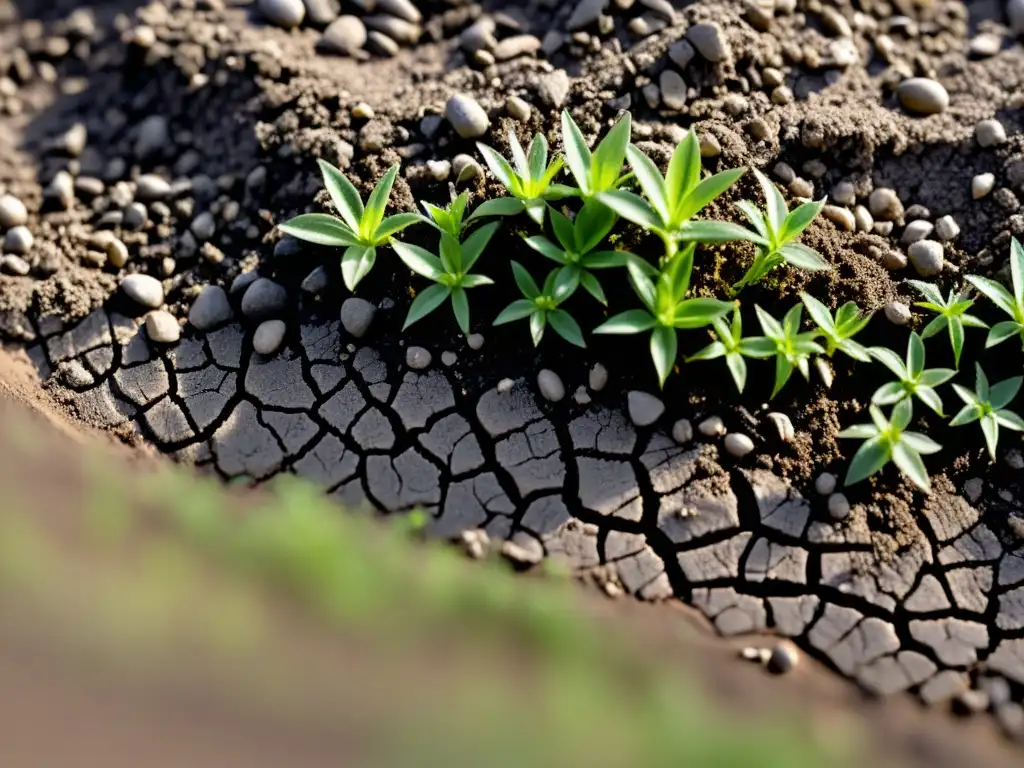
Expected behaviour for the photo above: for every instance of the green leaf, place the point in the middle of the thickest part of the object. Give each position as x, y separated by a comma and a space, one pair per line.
1000, 332
536, 209
592, 225
712, 351
546, 248
663, 351
1010, 420
1000, 395
683, 170
426, 302
769, 325
996, 293
475, 244
527, 285
451, 254
869, 459
801, 218
538, 156
566, 281
860, 431
577, 154
980, 383
500, 206
475, 281
755, 218
522, 165
889, 394
854, 350
783, 370
1017, 270
321, 229
642, 284
738, 368
802, 257
715, 232
930, 397
934, 327
538, 321
630, 321
606, 165
632, 207
757, 346
966, 415
517, 310
378, 203
990, 429
697, 313
344, 196
395, 224
356, 264
593, 287
902, 414
956, 338
818, 313
460, 306
559, 191
566, 327
419, 260
929, 291
909, 463
966, 395
933, 377
920, 443
651, 181
704, 193
503, 172
915, 356
563, 231
774, 202
605, 259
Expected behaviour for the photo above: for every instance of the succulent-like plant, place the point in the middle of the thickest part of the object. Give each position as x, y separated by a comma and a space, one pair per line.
777, 231
576, 243
912, 378
952, 314
1011, 303
987, 404
449, 219
839, 331
791, 347
663, 293
360, 231
543, 306
674, 199
730, 344
889, 440
601, 170
530, 182
450, 273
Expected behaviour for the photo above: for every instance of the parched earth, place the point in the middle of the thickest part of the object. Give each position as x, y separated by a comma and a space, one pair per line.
211, 119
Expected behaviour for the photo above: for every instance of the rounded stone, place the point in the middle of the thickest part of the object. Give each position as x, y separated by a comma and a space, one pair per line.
467, 117
135, 216
784, 658
117, 252
598, 378
357, 316
783, 425
982, 185
673, 89
346, 35
449, 358
1015, 13
885, 204
153, 136
210, 309
465, 168
518, 109
916, 230
989, 133
946, 229
321, 12
825, 483
897, 313
644, 408
926, 256
712, 426
863, 218
842, 217
475, 341
316, 281
18, 240
418, 358
923, 95
204, 226
269, 336
737, 444
838, 506
143, 289
709, 40
283, 13
162, 327
149, 186
264, 299
15, 265
12, 212
550, 385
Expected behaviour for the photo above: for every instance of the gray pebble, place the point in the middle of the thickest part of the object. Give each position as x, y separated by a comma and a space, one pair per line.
15, 265
467, 117
825, 483
973, 488
926, 257
785, 656
598, 378
18, 240
885, 204
430, 125
844, 193
681, 53
581, 396
153, 137
838, 507
923, 95
243, 281
73, 374
403, 9
709, 40
479, 35
997, 688
135, 216
264, 299
204, 226
162, 327
316, 281
149, 186
475, 341
989, 133
585, 13
946, 228
397, 29
357, 315
897, 313
89, 186
553, 88
737, 444
269, 336
210, 309
644, 408
783, 425
673, 89
321, 12
283, 13
712, 426
916, 230
418, 358
550, 385
381, 44
682, 431
449, 358
12, 212
144, 289
982, 185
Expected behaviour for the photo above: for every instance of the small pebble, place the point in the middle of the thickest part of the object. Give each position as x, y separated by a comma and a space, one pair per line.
825, 483
61, 189
151, 187
550, 385
12, 212
1010, 717
316, 281
18, 240
117, 252
449, 358
644, 408
737, 444
863, 218
283, 13
916, 230
844, 193
467, 117
465, 168
15, 265
357, 315
581, 396
345, 36
363, 111
982, 185
418, 358
598, 378
1015, 14
403, 9
153, 137
971, 702
923, 95
475, 341
989, 133
709, 41
885, 204
946, 229
842, 217
518, 109
801, 187
897, 313
204, 226
838, 506
162, 327
269, 336
681, 53
264, 299
926, 257
505, 386
135, 217
785, 656
712, 426
523, 551
783, 426
143, 289
682, 431
673, 89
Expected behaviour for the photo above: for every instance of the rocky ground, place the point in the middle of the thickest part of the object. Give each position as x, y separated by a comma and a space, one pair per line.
147, 152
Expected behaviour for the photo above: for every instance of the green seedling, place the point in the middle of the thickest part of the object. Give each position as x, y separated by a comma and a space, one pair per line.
359, 230
988, 405
952, 314
529, 181
839, 331
576, 243
889, 440
450, 273
777, 231
601, 170
1011, 303
543, 306
731, 345
448, 219
791, 348
912, 378
667, 309
674, 199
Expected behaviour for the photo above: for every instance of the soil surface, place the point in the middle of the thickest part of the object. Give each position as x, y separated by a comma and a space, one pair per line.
213, 119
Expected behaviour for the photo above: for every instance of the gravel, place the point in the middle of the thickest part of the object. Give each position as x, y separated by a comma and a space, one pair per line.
316, 281
673, 89
946, 229
916, 230
841, 217
283, 13
264, 299
783, 425
418, 358
15, 265
682, 431
143, 289
204, 226
585, 13
357, 316
897, 313
989, 133
885, 204
737, 444
149, 187
926, 257
321, 12
982, 185
153, 136
12, 212
709, 41
210, 309
825, 483
467, 117
269, 336
838, 507
475, 341
403, 9
18, 240
681, 53
598, 378
135, 217
449, 358
550, 385
162, 327
518, 109
923, 95
644, 408
117, 252
712, 426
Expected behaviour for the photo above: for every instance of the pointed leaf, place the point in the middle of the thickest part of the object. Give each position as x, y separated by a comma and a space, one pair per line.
819, 313
577, 154
395, 224
956, 338
344, 196
632, 207
774, 201
697, 313
527, 285
704, 193
1000, 395
592, 225
859, 431
990, 429
915, 356
321, 229
522, 165
538, 156
930, 397
929, 291
419, 260
593, 287
356, 264
651, 181
683, 170
631, 321
801, 218
378, 203
500, 206
889, 394
933, 377
1017, 270
546, 248
996, 293
755, 218
538, 322
1010, 420
563, 231
517, 310
715, 232
783, 370
460, 306
566, 327
712, 351
934, 327
664, 346
966, 415
738, 368
642, 284
869, 459
426, 302
920, 443
769, 325
475, 244
909, 463
605, 259
1000, 332
606, 164
798, 255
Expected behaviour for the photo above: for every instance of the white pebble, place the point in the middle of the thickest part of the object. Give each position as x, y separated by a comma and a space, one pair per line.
927, 257
475, 341
18, 240
550, 385
505, 386
738, 444
916, 230
946, 229
644, 408
783, 425
418, 358
144, 289
989, 133
712, 426
897, 313
268, 337
162, 327
844, 193
598, 377
467, 117
682, 431
982, 184
12, 212
283, 13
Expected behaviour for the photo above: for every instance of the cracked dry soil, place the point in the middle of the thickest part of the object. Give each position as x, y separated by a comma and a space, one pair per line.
908, 594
